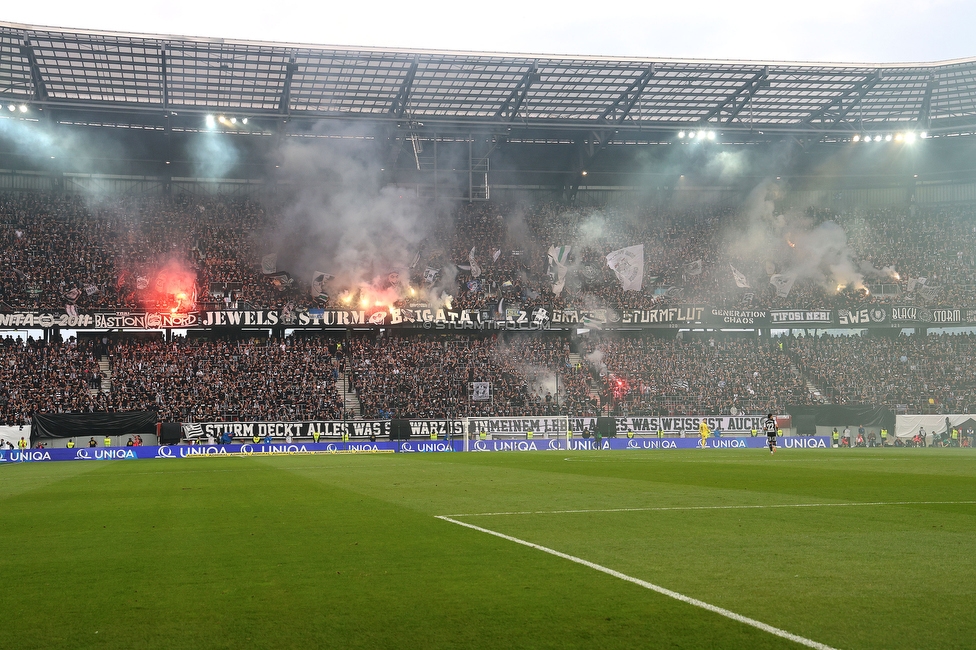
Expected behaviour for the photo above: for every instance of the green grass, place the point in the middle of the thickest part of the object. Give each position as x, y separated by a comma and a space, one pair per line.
345, 551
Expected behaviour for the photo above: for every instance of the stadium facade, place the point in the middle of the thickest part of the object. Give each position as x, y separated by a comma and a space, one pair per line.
191, 143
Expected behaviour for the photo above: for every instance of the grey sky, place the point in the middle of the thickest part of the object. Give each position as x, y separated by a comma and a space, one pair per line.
874, 31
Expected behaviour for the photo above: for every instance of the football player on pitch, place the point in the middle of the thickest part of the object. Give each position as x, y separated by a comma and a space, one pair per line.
703, 431
769, 428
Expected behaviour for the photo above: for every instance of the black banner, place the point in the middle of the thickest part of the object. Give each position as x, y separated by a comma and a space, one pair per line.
830, 415
72, 425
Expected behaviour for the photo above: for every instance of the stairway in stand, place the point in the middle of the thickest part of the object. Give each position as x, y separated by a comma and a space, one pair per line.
105, 368
350, 401
593, 393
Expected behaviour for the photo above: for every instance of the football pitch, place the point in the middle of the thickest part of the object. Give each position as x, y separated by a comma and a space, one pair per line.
864, 548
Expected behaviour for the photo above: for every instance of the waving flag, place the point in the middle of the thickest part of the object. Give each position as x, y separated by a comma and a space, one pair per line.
628, 264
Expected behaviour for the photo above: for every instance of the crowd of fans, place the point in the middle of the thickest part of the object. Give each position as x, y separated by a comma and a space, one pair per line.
200, 381
49, 378
62, 249
66, 252
911, 374
424, 376
420, 377
655, 376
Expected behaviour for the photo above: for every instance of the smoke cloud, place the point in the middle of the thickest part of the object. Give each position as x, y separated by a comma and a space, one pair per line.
342, 221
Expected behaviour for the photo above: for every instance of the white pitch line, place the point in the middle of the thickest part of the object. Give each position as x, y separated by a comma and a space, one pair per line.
653, 587
733, 507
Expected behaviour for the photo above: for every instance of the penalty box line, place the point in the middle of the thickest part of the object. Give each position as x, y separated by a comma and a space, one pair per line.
729, 507
653, 587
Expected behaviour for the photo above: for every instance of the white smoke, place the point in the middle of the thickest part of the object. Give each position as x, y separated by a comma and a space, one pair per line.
343, 221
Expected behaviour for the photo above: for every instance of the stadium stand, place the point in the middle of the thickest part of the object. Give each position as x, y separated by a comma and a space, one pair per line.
120, 253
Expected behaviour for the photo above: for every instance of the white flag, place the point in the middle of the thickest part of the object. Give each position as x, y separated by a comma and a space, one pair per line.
319, 278
783, 283
91, 289
269, 263
558, 257
693, 268
430, 274
740, 279
927, 293
480, 391
142, 282
475, 269
628, 264
494, 256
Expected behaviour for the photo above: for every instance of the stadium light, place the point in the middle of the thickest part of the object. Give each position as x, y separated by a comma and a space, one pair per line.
233, 120
244, 121
877, 138
856, 138
899, 137
888, 138
222, 119
11, 108
584, 172
711, 135
910, 137
210, 121
701, 135
681, 134
923, 134
691, 135
23, 108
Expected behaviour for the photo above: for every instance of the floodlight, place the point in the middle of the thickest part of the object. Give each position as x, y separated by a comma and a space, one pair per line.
233, 120
691, 134
583, 172
23, 108
244, 121
222, 119
899, 137
877, 138
888, 138
681, 134
711, 135
701, 135
210, 121
856, 138
910, 137
923, 134
11, 108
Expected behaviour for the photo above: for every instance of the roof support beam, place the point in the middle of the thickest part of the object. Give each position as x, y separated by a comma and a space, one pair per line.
164, 77
837, 115
399, 105
924, 119
509, 109
398, 109
284, 104
746, 91
37, 80
615, 113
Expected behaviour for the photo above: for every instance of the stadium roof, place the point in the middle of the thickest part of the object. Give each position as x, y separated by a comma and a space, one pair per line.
134, 76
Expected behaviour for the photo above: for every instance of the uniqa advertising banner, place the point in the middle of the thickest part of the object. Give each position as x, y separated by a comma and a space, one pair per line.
404, 446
